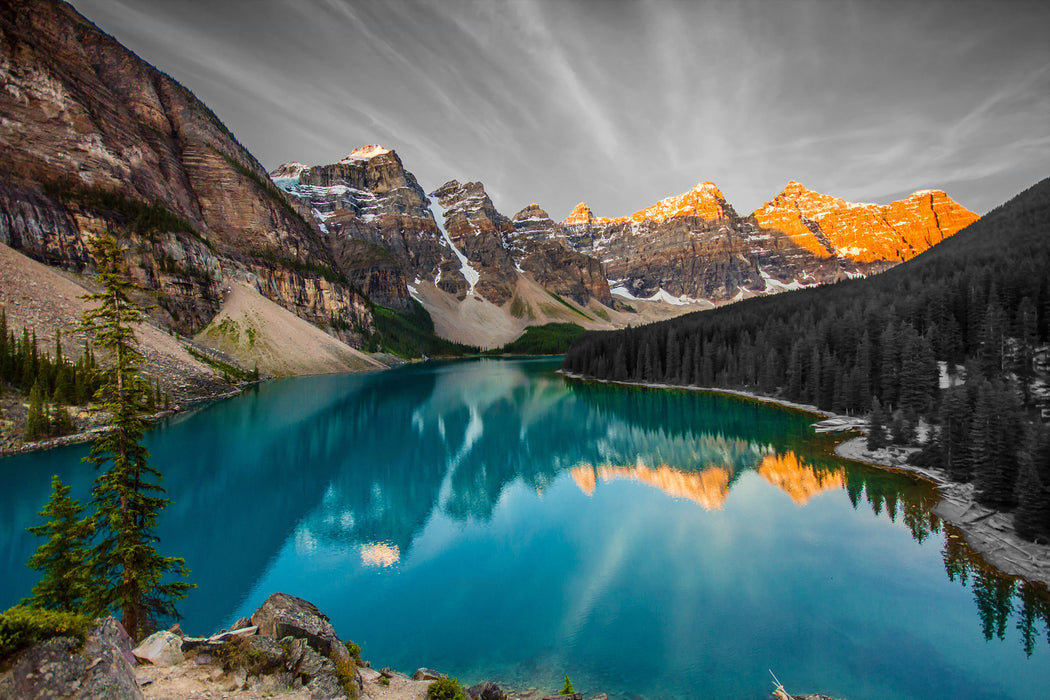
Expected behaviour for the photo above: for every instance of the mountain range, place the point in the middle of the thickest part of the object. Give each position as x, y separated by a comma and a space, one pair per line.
93, 139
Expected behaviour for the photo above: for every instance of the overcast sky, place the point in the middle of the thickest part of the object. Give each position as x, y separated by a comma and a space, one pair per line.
620, 104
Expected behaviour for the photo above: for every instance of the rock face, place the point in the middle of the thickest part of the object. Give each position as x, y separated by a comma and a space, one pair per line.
695, 246
542, 251
375, 217
381, 228
867, 233
93, 139
477, 230
57, 669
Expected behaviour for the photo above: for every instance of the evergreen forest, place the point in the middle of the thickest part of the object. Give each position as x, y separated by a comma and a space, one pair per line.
947, 350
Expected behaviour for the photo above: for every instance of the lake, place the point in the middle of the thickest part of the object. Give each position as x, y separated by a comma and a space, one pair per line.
496, 521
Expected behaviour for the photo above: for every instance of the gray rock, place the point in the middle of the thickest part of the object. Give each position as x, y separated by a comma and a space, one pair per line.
574, 696
486, 691
269, 655
56, 668
426, 674
109, 632
241, 624
160, 649
282, 615
226, 636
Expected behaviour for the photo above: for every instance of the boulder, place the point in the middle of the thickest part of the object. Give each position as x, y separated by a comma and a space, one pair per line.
283, 615
486, 691
160, 649
58, 668
426, 674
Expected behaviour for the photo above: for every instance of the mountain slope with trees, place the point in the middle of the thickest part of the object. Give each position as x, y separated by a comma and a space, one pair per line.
975, 308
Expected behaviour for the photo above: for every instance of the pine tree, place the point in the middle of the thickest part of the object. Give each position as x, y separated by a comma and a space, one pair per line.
956, 417
126, 496
37, 424
876, 426
1032, 517
63, 557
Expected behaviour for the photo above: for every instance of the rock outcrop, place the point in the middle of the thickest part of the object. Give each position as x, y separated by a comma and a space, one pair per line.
60, 668
283, 615
93, 139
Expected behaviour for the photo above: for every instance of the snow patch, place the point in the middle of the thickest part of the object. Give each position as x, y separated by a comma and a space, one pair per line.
775, 286
660, 295
469, 273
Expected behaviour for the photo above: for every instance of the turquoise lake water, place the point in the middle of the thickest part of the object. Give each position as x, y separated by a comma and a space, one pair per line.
495, 521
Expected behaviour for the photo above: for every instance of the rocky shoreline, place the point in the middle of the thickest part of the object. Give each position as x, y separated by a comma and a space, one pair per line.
989, 533
287, 648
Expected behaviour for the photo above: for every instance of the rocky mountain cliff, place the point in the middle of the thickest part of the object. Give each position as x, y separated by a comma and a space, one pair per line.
695, 247
382, 229
93, 139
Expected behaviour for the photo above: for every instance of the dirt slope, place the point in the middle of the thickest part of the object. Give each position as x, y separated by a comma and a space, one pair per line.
252, 329
46, 300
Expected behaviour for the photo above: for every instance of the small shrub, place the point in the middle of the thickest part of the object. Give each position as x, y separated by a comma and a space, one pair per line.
238, 653
568, 689
355, 651
22, 627
346, 674
446, 689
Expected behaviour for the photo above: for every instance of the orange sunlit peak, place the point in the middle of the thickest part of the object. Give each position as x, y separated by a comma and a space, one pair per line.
789, 473
380, 554
708, 488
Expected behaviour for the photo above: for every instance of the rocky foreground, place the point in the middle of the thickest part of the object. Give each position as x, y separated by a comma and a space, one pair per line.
287, 648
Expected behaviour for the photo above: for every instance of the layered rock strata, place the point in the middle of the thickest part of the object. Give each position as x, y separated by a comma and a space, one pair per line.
93, 139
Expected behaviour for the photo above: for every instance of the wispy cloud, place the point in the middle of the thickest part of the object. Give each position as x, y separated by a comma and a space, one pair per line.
621, 104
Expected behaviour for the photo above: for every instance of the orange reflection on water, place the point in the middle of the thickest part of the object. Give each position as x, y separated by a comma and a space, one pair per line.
789, 473
709, 488
380, 554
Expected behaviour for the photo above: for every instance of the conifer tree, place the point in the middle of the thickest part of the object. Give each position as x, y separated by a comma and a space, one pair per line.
63, 557
127, 494
37, 424
876, 426
1032, 517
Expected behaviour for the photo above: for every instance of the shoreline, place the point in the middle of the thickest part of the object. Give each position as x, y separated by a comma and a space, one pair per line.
89, 434
989, 533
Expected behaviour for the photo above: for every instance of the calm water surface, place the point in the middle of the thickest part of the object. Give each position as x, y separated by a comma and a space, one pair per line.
495, 521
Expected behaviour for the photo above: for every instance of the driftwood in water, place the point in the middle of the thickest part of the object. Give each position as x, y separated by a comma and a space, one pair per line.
780, 694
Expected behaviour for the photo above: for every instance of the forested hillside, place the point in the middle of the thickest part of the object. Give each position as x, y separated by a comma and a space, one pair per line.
975, 308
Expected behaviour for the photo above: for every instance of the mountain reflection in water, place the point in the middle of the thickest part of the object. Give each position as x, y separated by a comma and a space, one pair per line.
414, 491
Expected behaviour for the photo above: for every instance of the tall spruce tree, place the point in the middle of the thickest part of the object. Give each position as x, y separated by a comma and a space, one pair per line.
67, 584
127, 494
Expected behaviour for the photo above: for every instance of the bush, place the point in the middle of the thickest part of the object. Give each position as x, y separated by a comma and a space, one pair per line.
22, 627
568, 689
446, 689
346, 674
355, 651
